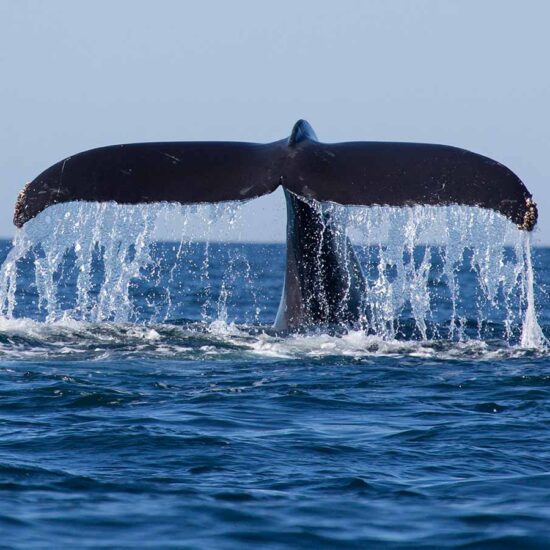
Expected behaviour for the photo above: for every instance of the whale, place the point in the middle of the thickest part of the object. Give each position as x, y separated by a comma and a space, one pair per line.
324, 284
323, 281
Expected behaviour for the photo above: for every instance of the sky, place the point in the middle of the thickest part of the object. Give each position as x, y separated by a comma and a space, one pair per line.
78, 75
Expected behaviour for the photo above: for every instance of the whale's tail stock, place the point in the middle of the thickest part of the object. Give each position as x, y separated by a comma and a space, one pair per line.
351, 173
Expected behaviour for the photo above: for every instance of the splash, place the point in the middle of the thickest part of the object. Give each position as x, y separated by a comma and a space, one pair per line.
434, 262
531, 335
433, 273
89, 258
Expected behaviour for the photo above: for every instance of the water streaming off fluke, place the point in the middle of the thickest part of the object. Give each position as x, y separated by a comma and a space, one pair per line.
433, 273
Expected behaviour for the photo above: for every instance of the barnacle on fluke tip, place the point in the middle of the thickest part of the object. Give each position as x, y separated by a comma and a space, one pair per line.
531, 215
18, 215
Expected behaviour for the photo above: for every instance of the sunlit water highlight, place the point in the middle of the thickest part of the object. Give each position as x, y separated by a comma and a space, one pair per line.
145, 400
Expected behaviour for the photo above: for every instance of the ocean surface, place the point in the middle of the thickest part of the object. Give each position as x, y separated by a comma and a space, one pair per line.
168, 414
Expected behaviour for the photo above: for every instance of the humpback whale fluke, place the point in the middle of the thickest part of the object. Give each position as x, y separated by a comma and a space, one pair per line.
353, 173
323, 280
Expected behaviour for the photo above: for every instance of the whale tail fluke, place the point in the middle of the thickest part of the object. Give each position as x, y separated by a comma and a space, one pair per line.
354, 173
323, 279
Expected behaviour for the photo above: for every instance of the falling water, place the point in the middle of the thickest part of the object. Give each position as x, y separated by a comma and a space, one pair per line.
89, 261
424, 253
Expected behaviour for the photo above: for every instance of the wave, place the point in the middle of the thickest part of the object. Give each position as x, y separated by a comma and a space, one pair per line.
26, 339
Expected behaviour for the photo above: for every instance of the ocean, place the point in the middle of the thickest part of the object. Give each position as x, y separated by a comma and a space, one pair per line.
145, 401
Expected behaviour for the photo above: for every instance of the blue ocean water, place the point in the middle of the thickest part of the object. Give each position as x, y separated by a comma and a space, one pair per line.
189, 423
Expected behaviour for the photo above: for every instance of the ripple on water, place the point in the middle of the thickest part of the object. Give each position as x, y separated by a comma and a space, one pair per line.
203, 433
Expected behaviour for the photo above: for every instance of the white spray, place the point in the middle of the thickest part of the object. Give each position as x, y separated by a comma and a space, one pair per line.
409, 255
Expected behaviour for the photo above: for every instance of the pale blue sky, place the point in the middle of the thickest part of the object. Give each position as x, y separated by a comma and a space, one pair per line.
76, 75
